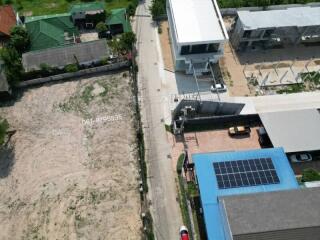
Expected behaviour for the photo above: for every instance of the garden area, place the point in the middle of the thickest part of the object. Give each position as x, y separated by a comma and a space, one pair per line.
45, 7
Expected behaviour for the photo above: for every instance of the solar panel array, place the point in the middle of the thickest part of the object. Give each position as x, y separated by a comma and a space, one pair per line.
245, 173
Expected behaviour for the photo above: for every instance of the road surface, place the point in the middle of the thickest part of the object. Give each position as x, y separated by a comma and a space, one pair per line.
162, 187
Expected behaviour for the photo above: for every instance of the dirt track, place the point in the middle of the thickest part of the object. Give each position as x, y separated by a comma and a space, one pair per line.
70, 170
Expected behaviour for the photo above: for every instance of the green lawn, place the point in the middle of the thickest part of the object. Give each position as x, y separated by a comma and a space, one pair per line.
43, 7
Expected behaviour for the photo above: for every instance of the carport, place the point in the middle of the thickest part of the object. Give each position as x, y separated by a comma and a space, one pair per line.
295, 131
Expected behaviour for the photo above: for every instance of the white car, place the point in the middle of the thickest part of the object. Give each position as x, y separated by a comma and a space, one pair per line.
219, 86
303, 157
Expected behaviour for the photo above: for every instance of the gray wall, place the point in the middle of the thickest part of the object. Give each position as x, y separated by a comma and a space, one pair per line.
80, 73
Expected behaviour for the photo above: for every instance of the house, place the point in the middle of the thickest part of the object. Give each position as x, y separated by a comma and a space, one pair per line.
51, 31
118, 22
7, 21
81, 53
197, 34
285, 215
224, 174
276, 27
87, 15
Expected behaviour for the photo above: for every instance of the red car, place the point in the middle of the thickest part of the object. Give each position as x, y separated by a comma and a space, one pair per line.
184, 234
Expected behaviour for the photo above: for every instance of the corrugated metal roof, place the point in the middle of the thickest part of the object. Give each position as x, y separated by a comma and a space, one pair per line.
62, 56
297, 16
295, 131
210, 192
197, 21
276, 211
118, 16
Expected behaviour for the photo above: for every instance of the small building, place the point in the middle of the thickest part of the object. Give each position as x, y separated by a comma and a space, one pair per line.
85, 53
285, 215
51, 31
87, 15
235, 173
118, 22
197, 34
276, 27
295, 131
7, 21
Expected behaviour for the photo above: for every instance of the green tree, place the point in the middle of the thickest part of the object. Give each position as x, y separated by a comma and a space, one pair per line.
12, 65
4, 125
127, 40
158, 8
19, 39
101, 27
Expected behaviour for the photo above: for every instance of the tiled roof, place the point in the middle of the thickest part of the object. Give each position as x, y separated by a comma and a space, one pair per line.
7, 19
48, 31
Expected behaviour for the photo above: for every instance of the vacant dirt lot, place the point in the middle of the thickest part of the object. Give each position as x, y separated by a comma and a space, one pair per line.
70, 170
166, 46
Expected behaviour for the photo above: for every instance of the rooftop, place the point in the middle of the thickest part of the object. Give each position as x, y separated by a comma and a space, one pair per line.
295, 131
7, 19
49, 30
118, 16
292, 209
62, 56
197, 21
208, 184
296, 16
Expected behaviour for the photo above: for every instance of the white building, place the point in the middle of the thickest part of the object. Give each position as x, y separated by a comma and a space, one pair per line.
197, 34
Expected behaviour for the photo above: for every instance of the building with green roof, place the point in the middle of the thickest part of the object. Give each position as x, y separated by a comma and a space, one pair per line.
87, 15
118, 22
50, 31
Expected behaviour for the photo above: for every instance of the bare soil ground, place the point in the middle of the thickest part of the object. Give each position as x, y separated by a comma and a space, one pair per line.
70, 170
166, 46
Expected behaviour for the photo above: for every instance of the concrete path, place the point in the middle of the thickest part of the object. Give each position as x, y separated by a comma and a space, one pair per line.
162, 192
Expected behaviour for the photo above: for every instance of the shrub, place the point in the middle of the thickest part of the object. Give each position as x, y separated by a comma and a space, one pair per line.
180, 163
71, 68
4, 125
309, 175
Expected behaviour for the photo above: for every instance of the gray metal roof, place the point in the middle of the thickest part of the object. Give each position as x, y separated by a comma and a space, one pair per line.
272, 211
61, 56
295, 131
297, 16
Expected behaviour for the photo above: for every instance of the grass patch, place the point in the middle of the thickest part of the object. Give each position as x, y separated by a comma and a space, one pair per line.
184, 204
43, 7
294, 88
180, 163
309, 175
86, 95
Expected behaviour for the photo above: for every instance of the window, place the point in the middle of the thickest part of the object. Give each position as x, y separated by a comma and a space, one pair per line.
199, 48
185, 50
247, 33
213, 47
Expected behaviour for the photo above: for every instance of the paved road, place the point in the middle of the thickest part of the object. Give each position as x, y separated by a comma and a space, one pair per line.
162, 193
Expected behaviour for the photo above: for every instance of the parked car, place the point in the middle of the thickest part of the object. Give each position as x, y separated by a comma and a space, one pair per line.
302, 157
219, 86
184, 234
239, 130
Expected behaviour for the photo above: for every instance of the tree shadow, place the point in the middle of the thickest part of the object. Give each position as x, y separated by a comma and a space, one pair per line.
7, 160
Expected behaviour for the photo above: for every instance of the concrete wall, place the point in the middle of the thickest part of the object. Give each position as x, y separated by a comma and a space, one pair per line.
80, 73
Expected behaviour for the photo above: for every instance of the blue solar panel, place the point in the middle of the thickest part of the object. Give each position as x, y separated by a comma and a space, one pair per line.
245, 173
